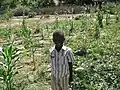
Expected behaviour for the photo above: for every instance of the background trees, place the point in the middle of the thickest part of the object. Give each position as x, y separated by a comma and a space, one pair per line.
33, 4
45, 3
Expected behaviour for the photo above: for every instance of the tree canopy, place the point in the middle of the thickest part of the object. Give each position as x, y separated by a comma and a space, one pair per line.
45, 3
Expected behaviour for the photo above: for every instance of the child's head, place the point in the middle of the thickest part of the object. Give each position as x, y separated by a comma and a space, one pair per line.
58, 38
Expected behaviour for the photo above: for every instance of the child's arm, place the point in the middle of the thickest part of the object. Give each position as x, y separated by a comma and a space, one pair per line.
70, 60
70, 70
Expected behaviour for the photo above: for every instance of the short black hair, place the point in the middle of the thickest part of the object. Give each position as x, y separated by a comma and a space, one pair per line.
58, 33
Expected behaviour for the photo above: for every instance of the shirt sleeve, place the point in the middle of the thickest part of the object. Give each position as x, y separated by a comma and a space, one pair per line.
70, 56
49, 57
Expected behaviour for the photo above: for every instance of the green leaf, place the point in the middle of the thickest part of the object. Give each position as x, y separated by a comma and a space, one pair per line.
10, 75
1, 72
10, 51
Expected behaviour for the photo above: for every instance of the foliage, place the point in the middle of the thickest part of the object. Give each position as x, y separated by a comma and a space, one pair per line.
107, 18
6, 15
100, 18
11, 3
4, 32
18, 11
25, 33
99, 69
45, 3
31, 14
111, 8
10, 58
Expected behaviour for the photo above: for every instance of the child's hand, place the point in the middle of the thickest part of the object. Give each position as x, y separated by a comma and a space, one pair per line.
71, 83
70, 80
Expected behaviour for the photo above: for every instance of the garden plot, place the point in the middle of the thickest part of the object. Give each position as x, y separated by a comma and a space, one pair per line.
99, 69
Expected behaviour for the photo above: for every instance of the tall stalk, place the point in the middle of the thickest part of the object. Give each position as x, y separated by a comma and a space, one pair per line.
100, 19
10, 33
56, 21
117, 17
71, 24
33, 57
107, 18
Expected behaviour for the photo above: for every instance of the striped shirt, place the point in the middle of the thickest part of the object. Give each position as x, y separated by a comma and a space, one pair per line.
59, 61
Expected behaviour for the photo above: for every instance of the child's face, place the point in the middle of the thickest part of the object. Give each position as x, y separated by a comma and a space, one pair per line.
58, 41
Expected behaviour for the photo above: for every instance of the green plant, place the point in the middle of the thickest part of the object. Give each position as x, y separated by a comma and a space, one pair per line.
25, 33
100, 18
107, 18
18, 11
83, 22
97, 31
111, 7
117, 16
71, 24
4, 32
10, 58
31, 14
28, 42
56, 21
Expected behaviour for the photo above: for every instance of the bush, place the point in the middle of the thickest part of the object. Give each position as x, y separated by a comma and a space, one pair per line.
32, 14
6, 15
4, 32
19, 11
111, 8
62, 10
2, 10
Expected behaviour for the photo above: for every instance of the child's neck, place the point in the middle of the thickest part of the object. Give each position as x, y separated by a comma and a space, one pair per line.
58, 48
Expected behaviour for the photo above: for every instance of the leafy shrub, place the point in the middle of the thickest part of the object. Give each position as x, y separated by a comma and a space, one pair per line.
5, 32
6, 15
31, 14
19, 11
111, 8
62, 10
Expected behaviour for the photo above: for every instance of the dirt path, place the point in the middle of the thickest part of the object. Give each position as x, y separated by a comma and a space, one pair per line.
17, 21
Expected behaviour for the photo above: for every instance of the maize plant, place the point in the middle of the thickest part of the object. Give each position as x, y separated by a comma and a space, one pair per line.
100, 18
47, 29
42, 34
26, 36
7, 71
71, 27
117, 17
71, 24
28, 42
33, 50
107, 18
99, 25
56, 21
84, 23
23, 23
97, 33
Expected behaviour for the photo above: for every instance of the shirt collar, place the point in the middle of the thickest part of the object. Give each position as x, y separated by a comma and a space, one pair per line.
64, 47
53, 48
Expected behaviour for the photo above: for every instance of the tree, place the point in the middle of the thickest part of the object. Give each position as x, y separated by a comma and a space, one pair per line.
10, 3
45, 3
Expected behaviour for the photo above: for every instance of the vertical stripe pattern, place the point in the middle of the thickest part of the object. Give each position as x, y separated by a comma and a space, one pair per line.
61, 84
60, 67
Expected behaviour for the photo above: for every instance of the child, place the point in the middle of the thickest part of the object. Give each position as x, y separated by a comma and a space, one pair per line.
61, 63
